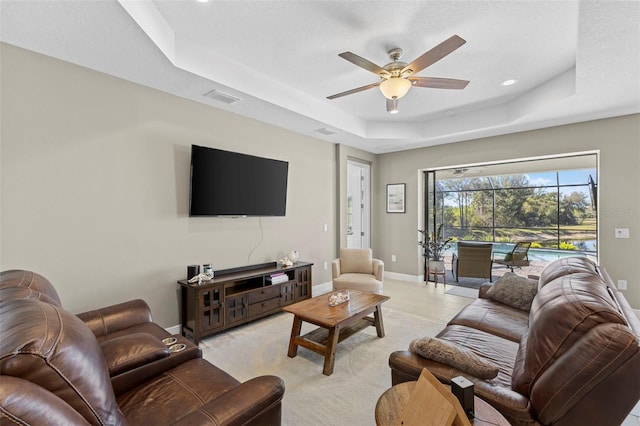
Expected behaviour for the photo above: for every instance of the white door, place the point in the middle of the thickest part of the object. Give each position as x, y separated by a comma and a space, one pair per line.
358, 205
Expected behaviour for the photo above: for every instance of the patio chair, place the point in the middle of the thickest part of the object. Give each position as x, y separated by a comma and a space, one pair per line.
516, 258
473, 261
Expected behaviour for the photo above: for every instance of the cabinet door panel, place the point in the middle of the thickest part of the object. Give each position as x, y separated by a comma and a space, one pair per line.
212, 308
303, 284
236, 307
287, 292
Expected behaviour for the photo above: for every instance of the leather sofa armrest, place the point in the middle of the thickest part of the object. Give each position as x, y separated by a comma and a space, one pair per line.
125, 353
113, 318
378, 269
242, 404
135, 377
603, 362
484, 288
335, 268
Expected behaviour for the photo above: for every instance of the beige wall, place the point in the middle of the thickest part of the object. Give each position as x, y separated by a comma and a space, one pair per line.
95, 187
618, 143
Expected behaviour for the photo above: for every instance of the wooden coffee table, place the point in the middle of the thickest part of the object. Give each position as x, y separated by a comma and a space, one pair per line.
336, 323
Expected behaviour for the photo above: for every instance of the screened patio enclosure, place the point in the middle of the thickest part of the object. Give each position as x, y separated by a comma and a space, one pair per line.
551, 202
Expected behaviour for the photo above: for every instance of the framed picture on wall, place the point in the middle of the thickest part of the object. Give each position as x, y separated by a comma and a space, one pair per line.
395, 198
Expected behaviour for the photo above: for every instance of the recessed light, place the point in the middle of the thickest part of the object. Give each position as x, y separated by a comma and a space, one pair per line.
202, 1
509, 82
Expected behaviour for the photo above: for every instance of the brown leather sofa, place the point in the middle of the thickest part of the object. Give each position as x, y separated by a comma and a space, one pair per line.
573, 359
110, 367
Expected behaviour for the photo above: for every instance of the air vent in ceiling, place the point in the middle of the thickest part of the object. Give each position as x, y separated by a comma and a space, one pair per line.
325, 131
216, 95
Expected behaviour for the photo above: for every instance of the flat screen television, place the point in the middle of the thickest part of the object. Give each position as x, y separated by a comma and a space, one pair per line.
225, 183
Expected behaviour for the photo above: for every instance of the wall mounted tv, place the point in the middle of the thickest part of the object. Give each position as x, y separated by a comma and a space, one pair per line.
225, 183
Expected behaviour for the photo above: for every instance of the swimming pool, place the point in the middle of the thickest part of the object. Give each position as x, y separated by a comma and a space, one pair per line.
537, 254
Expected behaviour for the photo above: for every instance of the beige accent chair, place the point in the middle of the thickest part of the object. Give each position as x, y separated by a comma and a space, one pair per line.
356, 269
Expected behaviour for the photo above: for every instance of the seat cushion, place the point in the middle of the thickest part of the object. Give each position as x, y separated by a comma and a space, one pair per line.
454, 355
362, 282
175, 393
494, 349
495, 318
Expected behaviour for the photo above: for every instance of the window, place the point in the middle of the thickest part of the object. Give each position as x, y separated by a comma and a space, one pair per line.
551, 202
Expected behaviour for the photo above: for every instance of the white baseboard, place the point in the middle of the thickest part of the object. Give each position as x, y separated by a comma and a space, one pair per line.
403, 277
323, 288
174, 329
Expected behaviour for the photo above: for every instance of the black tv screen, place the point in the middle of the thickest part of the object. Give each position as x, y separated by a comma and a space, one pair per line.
225, 183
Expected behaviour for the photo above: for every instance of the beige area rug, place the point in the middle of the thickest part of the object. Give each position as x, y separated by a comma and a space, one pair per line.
471, 293
348, 396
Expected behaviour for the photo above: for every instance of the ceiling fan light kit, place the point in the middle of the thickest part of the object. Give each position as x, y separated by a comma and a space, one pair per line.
392, 106
395, 87
397, 77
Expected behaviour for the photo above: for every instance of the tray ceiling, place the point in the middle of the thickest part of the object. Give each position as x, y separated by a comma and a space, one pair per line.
574, 61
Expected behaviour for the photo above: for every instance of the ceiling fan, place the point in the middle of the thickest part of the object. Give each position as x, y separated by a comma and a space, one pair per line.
396, 78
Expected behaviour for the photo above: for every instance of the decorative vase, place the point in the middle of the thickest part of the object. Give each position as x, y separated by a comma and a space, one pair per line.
293, 256
436, 265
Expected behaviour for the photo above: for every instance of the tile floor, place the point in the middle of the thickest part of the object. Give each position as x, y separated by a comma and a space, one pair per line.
441, 307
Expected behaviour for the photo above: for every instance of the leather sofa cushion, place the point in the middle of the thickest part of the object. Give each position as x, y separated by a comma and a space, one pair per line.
134, 350
31, 280
356, 261
514, 290
495, 318
15, 293
563, 311
494, 349
147, 327
454, 355
175, 393
24, 403
566, 266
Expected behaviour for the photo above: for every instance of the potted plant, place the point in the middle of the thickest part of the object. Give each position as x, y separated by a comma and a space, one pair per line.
434, 246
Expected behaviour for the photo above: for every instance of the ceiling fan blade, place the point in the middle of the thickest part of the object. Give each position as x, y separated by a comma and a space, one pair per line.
364, 63
433, 55
356, 90
439, 83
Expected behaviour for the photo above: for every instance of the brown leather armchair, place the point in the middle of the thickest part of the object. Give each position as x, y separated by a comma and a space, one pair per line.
113, 369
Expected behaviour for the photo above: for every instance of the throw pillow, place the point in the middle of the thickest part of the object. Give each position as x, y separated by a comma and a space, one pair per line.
455, 356
514, 290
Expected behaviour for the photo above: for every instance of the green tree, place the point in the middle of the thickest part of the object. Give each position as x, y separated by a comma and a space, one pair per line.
573, 208
511, 200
